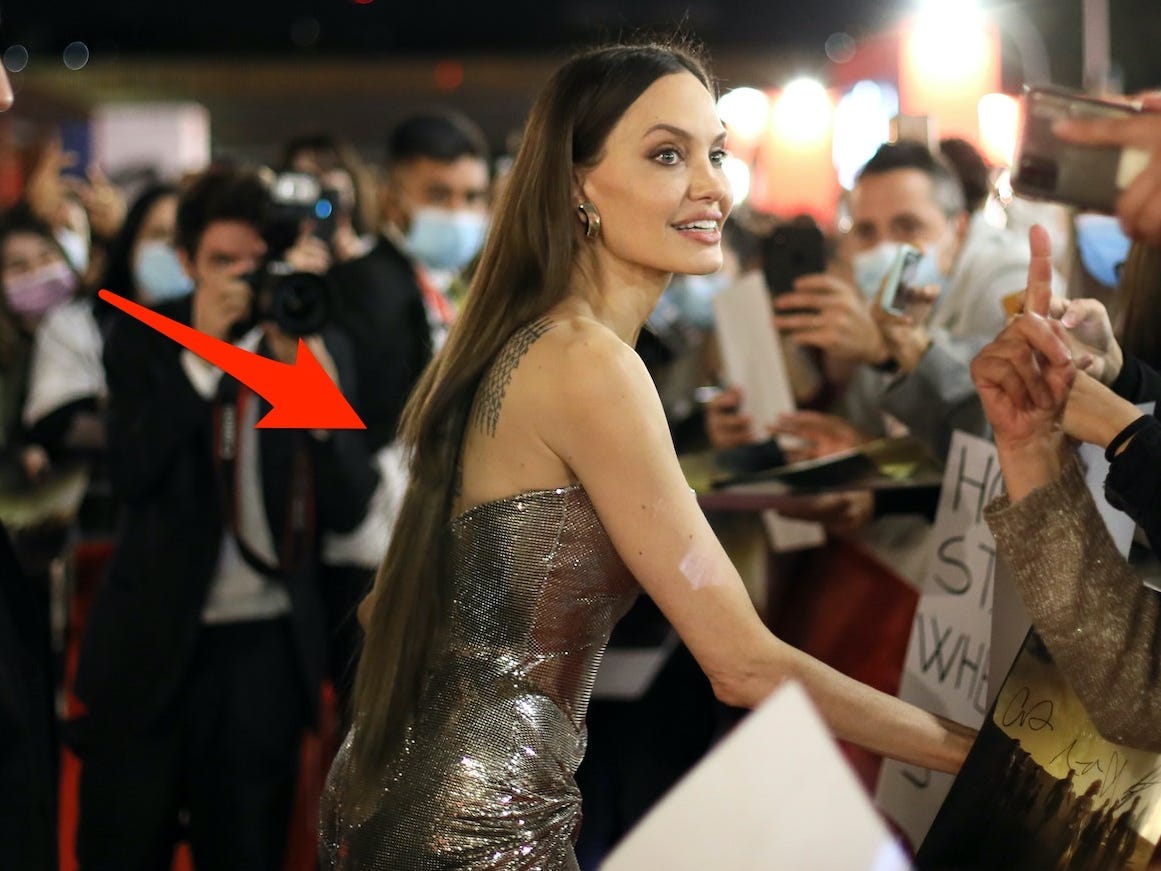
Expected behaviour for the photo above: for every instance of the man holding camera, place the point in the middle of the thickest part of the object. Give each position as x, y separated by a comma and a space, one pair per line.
203, 655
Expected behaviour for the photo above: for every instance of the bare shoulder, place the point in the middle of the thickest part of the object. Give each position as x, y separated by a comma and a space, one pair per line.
558, 367
589, 362
494, 386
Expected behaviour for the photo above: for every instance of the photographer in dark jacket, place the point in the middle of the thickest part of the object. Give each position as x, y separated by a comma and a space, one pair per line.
203, 655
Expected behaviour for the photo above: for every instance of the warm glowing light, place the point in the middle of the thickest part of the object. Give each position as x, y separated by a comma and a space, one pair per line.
744, 111
802, 113
999, 127
862, 122
948, 43
738, 174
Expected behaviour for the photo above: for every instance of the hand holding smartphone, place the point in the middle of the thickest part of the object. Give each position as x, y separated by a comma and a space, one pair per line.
1049, 168
899, 288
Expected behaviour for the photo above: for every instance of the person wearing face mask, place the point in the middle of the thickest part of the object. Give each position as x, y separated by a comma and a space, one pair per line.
67, 390
35, 278
395, 306
913, 371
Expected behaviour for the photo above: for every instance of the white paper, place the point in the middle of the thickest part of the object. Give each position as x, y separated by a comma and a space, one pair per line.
774, 794
752, 360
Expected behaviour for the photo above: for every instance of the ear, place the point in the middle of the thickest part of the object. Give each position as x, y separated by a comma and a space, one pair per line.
962, 220
579, 176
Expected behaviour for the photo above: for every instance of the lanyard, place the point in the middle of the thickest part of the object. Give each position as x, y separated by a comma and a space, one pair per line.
298, 520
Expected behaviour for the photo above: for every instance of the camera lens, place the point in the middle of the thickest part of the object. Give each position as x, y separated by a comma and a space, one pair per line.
301, 304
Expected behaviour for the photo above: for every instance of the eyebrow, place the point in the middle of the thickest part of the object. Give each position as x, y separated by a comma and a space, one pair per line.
677, 131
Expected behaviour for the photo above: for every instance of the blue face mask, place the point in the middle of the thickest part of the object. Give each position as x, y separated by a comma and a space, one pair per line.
158, 273
445, 238
871, 267
1103, 247
692, 296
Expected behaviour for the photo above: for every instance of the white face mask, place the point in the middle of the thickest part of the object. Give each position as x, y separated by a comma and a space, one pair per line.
446, 238
871, 267
158, 273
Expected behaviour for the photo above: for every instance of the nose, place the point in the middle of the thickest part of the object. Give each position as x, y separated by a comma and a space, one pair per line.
710, 185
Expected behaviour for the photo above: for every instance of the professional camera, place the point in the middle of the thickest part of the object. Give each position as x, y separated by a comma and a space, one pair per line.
300, 303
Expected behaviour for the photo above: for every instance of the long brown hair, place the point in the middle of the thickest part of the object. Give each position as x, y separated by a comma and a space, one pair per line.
1141, 314
523, 272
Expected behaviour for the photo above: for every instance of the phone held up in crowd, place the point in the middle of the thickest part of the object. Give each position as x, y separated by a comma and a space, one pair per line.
1047, 168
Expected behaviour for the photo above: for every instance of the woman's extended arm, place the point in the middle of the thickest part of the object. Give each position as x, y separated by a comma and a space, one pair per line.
607, 424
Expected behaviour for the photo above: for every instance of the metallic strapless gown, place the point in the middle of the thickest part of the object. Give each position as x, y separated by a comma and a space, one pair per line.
486, 777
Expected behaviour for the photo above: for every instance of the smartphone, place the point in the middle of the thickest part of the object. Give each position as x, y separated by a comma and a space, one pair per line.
1047, 168
791, 251
899, 288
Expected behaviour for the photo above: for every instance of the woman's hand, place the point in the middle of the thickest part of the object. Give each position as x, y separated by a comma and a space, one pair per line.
1024, 377
1090, 334
1094, 414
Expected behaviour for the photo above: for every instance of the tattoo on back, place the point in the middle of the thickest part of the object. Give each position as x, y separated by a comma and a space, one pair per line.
486, 412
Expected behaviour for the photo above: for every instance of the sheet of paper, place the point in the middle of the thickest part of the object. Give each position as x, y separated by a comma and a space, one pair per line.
752, 360
775, 793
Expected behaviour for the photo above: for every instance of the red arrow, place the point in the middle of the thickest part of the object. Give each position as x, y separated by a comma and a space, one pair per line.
303, 394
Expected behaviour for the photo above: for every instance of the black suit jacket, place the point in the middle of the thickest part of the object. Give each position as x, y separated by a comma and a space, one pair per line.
27, 748
145, 621
380, 308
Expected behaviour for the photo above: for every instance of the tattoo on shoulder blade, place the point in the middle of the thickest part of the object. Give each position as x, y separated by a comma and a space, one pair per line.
486, 412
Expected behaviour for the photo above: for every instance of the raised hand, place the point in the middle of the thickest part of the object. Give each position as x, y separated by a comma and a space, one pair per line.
824, 311
1090, 334
1024, 377
1024, 374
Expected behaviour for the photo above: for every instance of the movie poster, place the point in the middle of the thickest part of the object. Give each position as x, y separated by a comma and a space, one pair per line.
1042, 790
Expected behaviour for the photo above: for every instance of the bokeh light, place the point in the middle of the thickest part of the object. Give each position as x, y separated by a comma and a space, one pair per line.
16, 58
76, 55
745, 112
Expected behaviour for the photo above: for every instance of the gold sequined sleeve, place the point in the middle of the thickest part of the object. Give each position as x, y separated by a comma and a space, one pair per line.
1101, 624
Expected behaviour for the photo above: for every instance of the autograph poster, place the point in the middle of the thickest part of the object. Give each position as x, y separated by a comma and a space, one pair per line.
1042, 790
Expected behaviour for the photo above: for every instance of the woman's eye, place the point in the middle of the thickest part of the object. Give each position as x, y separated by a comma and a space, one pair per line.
718, 157
668, 156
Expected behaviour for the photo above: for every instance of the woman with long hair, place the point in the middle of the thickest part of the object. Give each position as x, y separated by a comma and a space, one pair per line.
545, 494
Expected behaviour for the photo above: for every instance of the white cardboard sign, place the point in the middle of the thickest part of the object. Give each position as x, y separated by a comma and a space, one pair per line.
773, 794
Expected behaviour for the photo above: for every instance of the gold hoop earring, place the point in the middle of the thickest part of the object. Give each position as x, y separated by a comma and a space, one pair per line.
591, 218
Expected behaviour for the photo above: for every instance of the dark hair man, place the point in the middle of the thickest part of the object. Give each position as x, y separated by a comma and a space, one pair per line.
203, 655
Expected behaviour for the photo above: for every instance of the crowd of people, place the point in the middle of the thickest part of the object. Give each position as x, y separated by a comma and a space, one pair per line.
526, 365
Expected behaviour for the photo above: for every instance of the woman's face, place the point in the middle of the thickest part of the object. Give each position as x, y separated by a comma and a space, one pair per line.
159, 225
24, 253
659, 186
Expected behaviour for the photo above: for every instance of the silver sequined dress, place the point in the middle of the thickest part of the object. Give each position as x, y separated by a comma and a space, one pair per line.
486, 779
